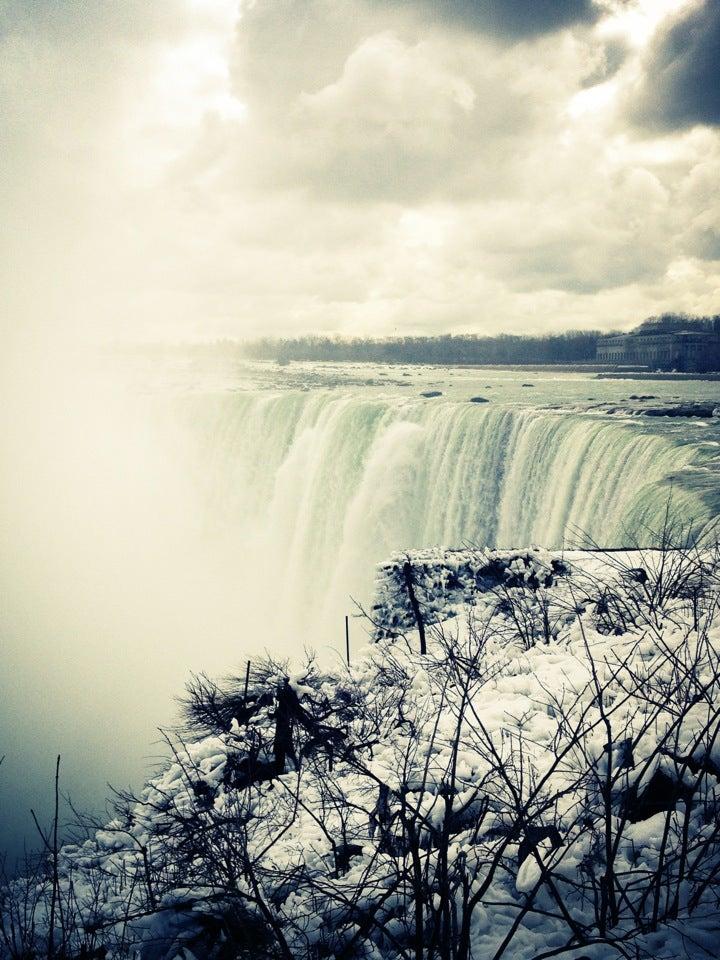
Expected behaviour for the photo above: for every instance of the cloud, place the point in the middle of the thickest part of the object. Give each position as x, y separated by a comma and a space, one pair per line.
403, 122
604, 61
680, 86
342, 165
405, 115
507, 19
389, 123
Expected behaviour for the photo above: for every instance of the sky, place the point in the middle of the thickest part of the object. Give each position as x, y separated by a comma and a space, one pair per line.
193, 169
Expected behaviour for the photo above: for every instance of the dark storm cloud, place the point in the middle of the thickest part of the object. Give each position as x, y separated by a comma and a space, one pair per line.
509, 19
681, 85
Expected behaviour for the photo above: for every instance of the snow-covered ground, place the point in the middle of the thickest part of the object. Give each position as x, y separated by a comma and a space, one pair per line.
543, 781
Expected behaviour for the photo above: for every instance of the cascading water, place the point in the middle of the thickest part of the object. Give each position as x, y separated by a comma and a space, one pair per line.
308, 491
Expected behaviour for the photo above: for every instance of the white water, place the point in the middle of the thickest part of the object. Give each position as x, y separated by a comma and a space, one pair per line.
308, 491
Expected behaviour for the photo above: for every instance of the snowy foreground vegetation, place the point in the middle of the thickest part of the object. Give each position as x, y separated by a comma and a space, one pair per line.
543, 781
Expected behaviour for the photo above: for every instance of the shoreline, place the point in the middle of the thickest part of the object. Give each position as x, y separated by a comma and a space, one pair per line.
647, 375
600, 371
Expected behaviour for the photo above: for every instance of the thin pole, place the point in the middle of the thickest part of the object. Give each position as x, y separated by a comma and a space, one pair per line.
408, 573
55, 875
347, 638
247, 681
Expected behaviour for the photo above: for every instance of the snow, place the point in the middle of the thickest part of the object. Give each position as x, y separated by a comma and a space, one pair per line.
525, 747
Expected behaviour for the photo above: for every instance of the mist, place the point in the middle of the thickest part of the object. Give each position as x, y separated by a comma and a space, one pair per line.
111, 593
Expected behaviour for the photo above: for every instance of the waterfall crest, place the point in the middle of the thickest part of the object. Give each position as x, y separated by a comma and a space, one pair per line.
311, 490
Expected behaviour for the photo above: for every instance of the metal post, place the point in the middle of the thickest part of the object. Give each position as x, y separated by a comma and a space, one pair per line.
247, 681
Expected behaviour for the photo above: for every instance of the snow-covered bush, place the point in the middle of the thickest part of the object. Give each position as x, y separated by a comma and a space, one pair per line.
544, 781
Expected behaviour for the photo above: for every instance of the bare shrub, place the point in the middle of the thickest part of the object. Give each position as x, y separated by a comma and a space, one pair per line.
543, 781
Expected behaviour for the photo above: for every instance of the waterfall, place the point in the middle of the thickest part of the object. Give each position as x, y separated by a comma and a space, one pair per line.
308, 491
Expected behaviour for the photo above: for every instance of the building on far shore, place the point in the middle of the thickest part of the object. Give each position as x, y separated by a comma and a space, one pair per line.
682, 350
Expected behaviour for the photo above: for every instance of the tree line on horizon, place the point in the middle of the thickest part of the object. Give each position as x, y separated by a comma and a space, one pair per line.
571, 347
